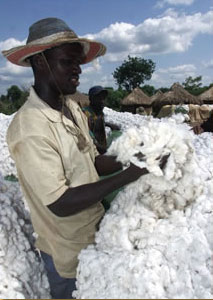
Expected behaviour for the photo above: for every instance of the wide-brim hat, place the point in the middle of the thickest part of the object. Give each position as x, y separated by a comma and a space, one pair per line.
48, 33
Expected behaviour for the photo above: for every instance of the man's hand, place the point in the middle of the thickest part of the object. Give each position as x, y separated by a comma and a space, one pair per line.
135, 172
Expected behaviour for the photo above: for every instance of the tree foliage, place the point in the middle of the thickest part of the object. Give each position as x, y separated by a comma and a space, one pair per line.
193, 85
114, 98
13, 100
133, 72
149, 90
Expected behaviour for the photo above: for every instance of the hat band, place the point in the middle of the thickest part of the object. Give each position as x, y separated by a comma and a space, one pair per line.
54, 37
60, 38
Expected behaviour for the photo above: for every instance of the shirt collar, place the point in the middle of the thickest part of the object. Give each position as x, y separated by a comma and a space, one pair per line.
52, 114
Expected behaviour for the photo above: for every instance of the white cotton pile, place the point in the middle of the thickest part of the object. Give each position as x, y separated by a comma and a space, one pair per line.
156, 239
123, 119
7, 165
126, 120
21, 271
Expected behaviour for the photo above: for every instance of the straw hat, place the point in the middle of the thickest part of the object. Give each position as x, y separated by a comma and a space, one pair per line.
48, 33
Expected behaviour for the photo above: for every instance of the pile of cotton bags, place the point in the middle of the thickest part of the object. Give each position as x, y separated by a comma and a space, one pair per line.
21, 271
156, 239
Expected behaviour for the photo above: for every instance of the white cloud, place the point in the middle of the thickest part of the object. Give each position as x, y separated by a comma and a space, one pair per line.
206, 80
171, 33
209, 64
10, 68
161, 3
12, 74
165, 77
93, 67
10, 43
5, 78
107, 81
189, 68
89, 79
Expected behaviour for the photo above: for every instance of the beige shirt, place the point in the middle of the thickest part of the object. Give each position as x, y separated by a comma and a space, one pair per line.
48, 162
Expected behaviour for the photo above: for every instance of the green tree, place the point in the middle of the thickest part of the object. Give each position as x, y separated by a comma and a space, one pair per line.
148, 89
193, 85
133, 72
14, 93
14, 99
114, 98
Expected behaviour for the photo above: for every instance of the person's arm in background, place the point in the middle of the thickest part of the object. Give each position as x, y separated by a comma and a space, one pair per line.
112, 126
207, 126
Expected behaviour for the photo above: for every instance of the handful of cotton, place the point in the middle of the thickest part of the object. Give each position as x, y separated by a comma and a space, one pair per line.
161, 190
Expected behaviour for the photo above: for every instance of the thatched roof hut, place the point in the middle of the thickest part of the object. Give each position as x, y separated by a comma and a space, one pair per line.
207, 96
137, 97
82, 99
156, 99
157, 96
134, 100
177, 95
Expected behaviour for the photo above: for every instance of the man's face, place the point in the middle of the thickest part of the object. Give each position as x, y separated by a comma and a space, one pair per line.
64, 62
98, 101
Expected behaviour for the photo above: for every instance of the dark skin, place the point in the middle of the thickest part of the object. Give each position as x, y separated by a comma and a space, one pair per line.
64, 62
207, 126
97, 103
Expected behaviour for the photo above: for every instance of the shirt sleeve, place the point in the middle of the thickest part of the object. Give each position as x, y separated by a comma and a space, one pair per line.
40, 167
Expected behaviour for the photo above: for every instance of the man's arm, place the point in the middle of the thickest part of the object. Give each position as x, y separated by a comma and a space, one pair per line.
106, 165
78, 198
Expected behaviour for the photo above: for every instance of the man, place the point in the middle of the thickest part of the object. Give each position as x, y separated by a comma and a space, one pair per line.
206, 126
95, 115
57, 163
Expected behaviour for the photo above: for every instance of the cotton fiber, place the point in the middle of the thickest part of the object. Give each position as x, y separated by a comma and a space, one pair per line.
156, 239
21, 270
7, 165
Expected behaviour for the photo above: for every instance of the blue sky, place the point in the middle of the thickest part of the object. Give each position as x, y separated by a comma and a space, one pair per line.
175, 34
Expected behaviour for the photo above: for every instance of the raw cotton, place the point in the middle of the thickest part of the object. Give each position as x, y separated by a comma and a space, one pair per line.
21, 270
7, 165
137, 253
156, 239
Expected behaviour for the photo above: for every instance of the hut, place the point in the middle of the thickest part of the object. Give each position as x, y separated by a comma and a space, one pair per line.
207, 96
164, 105
82, 99
137, 98
156, 98
178, 95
